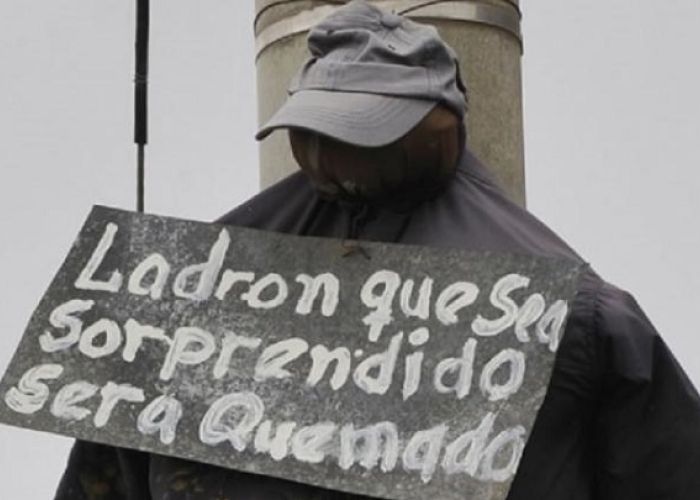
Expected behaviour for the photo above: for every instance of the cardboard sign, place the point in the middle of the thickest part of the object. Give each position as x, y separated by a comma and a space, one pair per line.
398, 372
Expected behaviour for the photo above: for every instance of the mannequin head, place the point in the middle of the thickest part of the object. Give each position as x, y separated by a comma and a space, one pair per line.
376, 113
414, 167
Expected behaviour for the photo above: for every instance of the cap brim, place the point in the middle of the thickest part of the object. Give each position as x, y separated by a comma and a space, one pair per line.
357, 118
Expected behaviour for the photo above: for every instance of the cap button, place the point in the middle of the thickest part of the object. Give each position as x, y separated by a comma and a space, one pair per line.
390, 20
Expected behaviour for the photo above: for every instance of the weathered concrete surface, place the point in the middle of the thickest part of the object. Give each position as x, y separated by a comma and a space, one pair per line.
490, 60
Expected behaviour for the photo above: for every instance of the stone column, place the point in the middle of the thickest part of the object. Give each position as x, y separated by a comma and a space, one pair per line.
484, 33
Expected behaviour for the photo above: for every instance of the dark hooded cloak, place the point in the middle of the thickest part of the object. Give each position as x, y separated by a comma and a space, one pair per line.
621, 421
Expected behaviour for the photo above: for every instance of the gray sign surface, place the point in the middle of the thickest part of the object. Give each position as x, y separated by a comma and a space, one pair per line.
398, 372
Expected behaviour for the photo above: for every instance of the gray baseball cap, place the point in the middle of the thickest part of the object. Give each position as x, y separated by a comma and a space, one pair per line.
372, 76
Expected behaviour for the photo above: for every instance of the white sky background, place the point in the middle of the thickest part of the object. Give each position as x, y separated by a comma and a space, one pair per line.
612, 127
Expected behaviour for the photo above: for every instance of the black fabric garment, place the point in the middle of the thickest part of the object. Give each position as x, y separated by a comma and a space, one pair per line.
620, 421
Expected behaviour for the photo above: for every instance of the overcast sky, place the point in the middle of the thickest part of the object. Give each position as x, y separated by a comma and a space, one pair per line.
612, 128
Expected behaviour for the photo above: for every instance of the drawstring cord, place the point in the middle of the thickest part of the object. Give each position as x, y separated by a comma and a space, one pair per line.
358, 215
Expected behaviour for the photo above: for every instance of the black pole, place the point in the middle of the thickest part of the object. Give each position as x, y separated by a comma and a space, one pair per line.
141, 96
